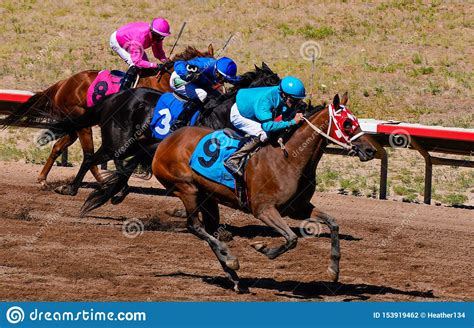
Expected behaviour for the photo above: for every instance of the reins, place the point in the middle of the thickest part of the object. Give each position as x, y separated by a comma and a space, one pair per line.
347, 146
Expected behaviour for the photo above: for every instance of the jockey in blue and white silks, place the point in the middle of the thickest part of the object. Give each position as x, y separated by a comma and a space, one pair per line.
255, 112
195, 78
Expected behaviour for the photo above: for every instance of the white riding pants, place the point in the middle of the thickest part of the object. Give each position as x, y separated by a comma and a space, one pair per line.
246, 125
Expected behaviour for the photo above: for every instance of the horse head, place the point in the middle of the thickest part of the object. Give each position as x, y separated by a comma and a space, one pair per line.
344, 128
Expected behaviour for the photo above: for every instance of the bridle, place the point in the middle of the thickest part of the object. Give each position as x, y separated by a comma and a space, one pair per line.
339, 132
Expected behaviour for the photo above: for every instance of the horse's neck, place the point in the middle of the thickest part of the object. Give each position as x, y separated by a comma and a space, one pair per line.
305, 144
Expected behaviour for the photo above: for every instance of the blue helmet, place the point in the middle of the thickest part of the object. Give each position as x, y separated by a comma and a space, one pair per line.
227, 68
293, 87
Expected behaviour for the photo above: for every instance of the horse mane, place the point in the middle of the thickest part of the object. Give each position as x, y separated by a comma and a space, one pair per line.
217, 107
189, 53
313, 110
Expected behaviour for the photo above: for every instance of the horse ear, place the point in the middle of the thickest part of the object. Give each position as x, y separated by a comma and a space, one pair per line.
336, 101
265, 67
210, 49
345, 98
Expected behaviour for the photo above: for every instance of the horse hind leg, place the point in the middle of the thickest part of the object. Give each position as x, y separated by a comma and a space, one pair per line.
272, 218
326, 219
210, 216
87, 143
58, 148
228, 262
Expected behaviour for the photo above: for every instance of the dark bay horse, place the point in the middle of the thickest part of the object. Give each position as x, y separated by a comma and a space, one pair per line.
67, 99
277, 186
125, 118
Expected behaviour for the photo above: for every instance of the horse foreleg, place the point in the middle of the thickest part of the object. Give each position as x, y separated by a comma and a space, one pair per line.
57, 150
272, 218
326, 219
87, 143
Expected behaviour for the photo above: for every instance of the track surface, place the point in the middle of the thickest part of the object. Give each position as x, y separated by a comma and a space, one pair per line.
391, 251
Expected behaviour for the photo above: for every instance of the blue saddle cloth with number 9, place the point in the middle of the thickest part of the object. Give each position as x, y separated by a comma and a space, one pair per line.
210, 154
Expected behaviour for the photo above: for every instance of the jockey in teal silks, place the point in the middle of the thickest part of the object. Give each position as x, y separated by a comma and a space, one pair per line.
196, 78
255, 111
130, 42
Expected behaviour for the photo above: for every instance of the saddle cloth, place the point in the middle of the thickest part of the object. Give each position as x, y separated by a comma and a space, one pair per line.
106, 83
212, 151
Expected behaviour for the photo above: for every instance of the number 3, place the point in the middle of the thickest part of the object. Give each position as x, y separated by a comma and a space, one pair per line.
164, 122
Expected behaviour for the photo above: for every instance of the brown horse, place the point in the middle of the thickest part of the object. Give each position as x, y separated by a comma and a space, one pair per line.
67, 99
276, 185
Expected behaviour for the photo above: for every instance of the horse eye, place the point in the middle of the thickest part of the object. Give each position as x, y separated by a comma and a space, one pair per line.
347, 124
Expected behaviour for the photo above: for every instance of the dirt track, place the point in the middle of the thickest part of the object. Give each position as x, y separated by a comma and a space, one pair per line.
390, 251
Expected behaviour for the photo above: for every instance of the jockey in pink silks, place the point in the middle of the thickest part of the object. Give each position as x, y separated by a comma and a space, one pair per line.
130, 42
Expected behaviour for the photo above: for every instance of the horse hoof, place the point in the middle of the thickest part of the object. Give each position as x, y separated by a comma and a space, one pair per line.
177, 213
233, 264
241, 290
258, 246
117, 199
333, 274
65, 190
43, 184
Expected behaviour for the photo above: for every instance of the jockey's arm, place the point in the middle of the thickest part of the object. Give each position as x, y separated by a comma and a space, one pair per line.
158, 51
265, 116
180, 68
139, 59
188, 70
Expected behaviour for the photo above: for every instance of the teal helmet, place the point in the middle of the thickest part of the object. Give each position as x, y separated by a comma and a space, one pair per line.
292, 87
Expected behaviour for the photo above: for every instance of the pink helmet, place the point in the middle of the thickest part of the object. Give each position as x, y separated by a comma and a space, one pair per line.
160, 26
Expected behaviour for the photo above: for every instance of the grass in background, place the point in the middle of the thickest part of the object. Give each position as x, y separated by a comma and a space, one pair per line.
403, 60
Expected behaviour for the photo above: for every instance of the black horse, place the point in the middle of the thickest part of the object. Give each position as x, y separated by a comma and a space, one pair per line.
124, 119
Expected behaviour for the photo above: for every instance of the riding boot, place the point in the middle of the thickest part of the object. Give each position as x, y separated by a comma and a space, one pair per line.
185, 116
129, 78
235, 162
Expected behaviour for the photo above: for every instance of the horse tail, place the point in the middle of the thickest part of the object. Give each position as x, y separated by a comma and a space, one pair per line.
59, 129
40, 106
116, 181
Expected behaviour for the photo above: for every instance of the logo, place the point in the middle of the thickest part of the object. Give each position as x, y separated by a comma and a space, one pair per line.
310, 50
310, 228
399, 139
133, 228
15, 315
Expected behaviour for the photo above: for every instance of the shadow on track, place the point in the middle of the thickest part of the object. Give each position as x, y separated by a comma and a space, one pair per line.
308, 290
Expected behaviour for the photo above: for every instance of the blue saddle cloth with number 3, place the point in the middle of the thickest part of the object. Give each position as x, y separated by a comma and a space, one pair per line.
167, 110
210, 154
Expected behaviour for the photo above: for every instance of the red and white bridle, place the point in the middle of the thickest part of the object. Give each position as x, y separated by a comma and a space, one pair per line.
336, 132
